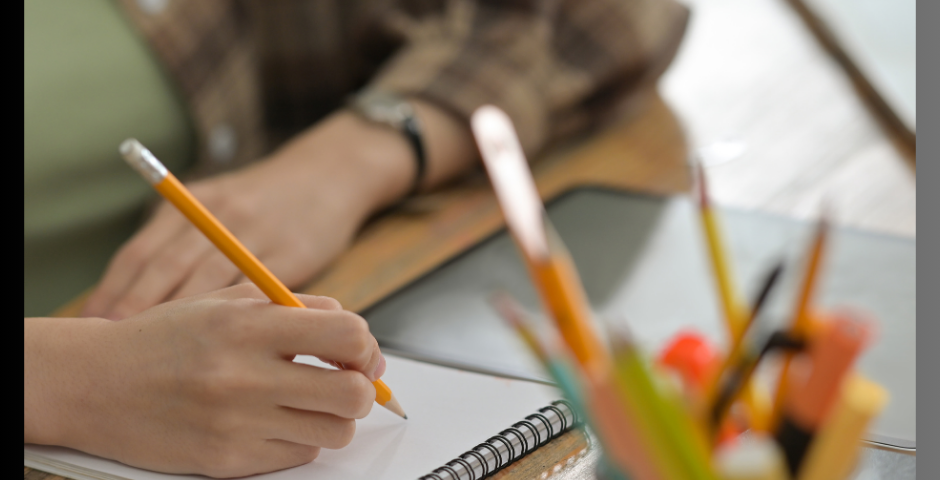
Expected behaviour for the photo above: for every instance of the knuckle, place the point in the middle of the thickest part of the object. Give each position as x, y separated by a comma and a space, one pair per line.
358, 394
330, 303
357, 334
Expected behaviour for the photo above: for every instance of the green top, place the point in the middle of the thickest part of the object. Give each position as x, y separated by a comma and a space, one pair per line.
89, 82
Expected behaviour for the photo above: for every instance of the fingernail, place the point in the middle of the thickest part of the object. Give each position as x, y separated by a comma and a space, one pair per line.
379, 369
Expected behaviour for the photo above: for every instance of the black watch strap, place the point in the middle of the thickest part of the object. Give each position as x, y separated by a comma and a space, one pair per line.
412, 131
393, 110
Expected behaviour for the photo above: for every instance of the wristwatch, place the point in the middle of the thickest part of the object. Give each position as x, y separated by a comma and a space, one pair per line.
391, 109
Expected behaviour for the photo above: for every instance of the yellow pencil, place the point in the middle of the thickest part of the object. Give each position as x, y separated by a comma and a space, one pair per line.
165, 183
802, 321
736, 315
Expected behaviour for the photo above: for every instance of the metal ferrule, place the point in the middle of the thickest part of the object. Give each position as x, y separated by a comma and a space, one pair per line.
147, 165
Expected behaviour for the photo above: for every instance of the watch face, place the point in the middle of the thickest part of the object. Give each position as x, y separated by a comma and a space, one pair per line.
384, 107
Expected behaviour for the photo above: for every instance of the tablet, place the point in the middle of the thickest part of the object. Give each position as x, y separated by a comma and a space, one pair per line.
643, 262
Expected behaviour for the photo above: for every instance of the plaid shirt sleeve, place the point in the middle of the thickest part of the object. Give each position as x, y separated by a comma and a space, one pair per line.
254, 73
553, 66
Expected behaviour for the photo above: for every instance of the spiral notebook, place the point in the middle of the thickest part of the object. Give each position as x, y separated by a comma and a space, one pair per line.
461, 425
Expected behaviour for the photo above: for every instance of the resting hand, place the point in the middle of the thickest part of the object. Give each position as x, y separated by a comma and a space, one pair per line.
201, 385
295, 211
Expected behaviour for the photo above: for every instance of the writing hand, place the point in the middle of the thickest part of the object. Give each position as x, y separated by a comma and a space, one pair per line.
201, 385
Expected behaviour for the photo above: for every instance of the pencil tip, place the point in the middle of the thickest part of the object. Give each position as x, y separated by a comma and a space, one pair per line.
393, 406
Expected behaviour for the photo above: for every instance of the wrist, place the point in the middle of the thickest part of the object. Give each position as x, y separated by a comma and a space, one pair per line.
381, 158
363, 166
53, 377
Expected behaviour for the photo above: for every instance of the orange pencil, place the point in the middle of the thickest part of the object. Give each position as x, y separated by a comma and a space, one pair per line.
549, 263
801, 320
165, 183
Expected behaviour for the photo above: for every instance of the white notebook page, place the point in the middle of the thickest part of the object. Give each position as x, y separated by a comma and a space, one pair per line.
449, 412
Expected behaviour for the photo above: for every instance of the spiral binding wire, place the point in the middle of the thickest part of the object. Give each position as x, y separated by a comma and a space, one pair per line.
561, 409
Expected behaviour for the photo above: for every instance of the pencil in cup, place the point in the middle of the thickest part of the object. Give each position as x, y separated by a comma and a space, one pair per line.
736, 314
167, 185
802, 322
666, 426
594, 394
548, 262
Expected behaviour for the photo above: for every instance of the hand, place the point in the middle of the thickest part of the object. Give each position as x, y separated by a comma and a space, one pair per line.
295, 211
201, 385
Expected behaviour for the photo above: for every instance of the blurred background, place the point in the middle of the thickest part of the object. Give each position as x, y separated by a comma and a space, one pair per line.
791, 101
787, 102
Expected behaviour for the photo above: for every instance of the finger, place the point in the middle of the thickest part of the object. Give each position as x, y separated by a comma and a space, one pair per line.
319, 302
215, 271
130, 260
316, 429
250, 290
344, 393
246, 290
338, 335
163, 274
311, 301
